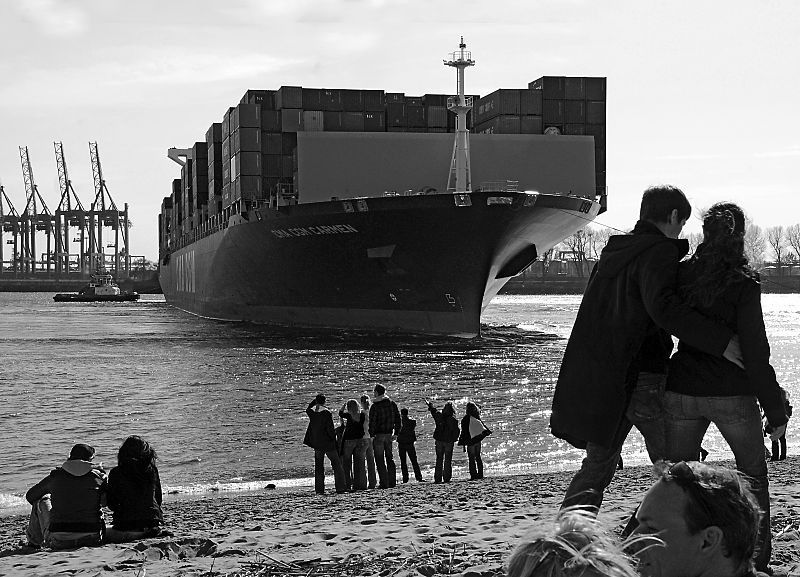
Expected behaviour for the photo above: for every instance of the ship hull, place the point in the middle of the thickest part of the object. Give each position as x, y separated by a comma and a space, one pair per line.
418, 264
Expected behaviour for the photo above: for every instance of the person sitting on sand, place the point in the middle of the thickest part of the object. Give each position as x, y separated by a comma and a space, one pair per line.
354, 453
384, 424
134, 493
321, 437
473, 432
405, 446
372, 476
707, 519
444, 435
576, 545
66, 504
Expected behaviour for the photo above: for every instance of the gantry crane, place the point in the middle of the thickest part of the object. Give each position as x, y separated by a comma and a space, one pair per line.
105, 211
33, 219
9, 223
70, 213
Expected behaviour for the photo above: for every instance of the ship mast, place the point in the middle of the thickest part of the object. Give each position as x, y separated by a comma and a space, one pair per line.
460, 179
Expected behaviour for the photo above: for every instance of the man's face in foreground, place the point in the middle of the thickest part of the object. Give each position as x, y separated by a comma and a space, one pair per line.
661, 515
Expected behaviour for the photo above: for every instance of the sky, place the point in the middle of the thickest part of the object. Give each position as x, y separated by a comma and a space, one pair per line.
702, 94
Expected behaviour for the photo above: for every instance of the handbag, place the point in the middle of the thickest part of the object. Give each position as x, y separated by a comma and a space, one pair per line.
477, 430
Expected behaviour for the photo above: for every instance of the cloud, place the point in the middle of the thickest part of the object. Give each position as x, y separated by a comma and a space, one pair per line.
787, 152
54, 17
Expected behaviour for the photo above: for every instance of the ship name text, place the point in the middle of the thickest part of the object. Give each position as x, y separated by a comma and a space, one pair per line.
313, 230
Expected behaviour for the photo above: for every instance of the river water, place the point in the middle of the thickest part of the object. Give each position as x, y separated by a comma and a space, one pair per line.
224, 403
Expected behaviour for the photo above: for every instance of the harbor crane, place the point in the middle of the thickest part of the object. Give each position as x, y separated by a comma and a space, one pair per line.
105, 211
70, 213
9, 223
34, 219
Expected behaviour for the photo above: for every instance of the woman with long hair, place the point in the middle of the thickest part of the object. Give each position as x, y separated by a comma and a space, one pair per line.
372, 474
354, 452
444, 435
134, 493
702, 389
473, 432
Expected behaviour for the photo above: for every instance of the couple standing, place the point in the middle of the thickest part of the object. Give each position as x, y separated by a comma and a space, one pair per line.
615, 375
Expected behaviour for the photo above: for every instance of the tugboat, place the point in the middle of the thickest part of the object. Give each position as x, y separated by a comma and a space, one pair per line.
101, 288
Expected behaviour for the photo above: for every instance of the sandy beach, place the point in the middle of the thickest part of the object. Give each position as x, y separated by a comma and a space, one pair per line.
462, 528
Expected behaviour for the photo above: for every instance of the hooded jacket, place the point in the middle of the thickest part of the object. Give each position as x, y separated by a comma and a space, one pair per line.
320, 434
693, 372
134, 495
77, 491
632, 289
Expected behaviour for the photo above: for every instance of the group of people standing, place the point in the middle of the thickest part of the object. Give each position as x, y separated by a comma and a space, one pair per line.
66, 506
618, 369
366, 437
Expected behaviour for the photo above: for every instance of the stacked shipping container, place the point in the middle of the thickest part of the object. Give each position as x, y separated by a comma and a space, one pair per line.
251, 155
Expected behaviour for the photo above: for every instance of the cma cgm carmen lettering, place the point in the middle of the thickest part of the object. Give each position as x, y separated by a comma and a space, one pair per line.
329, 243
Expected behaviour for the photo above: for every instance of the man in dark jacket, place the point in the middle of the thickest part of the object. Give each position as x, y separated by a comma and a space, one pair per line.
66, 504
405, 446
321, 436
617, 351
384, 425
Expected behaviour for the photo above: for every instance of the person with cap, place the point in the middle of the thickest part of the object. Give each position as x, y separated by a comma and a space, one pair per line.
384, 425
405, 446
321, 436
66, 505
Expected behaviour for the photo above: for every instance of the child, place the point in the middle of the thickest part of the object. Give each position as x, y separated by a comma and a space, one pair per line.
405, 445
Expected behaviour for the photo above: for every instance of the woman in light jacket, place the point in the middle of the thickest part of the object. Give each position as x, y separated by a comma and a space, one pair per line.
472, 433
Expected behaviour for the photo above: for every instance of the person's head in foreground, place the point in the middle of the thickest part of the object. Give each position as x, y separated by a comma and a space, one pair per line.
137, 452
706, 517
576, 545
81, 452
666, 207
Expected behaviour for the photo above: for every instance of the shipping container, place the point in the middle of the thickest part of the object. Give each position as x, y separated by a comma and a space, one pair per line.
200, 153
574, 129
271, 121
288, 143
575, 111
374, 122
352, 122
245, 164
272, 165
373, 100
289, 97
600, 179
506, 124
226, 173
434, 100
246, 140
352, 100
599, 159
272, 143
436, 116
215, 173
214, 152
214, 133
599, 133
500, 102
331, 99
291, 120
396, 115
553, 111
530, 102
530, 124
575, 88
595, 112
214, 186
226, 149
265, 99
312, 99
415, 116
332, 120
287, 165
437, 129
413, 101
226, 123
246, 188
395, 97
246, 116
595, 88
226, 196
312, 120
552, 87
269, 185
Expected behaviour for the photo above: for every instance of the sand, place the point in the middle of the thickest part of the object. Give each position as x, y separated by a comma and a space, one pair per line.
462, 528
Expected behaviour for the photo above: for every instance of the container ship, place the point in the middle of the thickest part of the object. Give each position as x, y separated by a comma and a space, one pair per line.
335, 209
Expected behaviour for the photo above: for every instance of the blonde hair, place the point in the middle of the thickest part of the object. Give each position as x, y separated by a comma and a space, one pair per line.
353, 407
574, 544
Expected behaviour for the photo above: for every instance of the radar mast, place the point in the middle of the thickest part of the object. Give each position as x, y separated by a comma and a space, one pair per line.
460, 179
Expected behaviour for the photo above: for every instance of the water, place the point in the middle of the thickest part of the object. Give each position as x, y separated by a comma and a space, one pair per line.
224, 404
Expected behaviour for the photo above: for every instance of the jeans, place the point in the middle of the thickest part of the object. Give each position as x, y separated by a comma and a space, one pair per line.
355, 461
371, 476
475, 461
319, 471
645, 411
38, 530
739, 421
779, 444
384, 461
408, 449
444, 462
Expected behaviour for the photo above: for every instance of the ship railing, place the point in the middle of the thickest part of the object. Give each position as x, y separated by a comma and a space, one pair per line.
500, 186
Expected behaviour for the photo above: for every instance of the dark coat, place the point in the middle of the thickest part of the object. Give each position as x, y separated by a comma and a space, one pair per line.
320, 434
353, 429
135, 497
694, 372
407, 434
77, 490
446, 430
631, 288
384, 417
